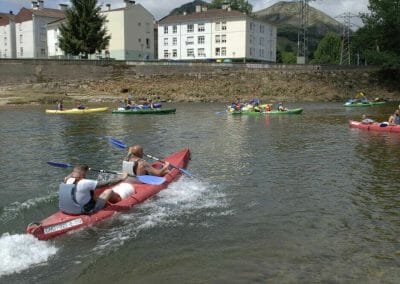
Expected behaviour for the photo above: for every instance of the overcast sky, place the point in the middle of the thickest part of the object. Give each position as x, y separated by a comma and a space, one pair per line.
160, 8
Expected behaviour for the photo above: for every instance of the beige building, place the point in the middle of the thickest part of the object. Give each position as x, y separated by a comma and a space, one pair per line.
132, 33
216, 34
131, 29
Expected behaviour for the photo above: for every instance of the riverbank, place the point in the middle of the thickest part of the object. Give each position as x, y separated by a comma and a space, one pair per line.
204, 86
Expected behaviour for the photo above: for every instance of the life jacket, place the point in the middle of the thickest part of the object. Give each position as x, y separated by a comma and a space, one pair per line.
397, 119
67, 201
129, 167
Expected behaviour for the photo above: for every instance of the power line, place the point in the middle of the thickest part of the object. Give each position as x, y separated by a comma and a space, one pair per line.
302, 38
345, 52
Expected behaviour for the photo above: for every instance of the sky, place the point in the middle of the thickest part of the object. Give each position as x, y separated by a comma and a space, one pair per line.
160, 8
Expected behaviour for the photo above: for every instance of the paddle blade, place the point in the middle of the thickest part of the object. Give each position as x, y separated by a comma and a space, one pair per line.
117, 143
151, 179
59, 165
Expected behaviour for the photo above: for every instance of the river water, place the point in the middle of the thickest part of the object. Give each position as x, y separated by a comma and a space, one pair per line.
282, 199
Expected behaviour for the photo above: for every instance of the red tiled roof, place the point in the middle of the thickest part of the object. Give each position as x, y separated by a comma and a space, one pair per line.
5, 18
205, 15
26, 14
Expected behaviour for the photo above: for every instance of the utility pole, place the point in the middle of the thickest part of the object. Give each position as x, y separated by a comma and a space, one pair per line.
302, 41
345, 52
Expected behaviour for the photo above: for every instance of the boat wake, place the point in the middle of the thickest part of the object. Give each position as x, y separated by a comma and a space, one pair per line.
20, 252
182, 198
13, 210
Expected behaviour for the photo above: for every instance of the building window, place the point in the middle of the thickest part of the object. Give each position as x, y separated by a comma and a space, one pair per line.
252, 26
190, 52
217, 51
223, 51
223, 38
217, 39
174, 53
139, 24
139, 40
218, 26
201, 52
21, 51
174, 41
147, 43
223, 26
166, 54
21, 39
190, 28
251, 51
262, 27
261, 41
165, 29
189, 40
174, 29
43, 51
147, 27
165, 41
200, 28
200, 39
5, 41
251, 39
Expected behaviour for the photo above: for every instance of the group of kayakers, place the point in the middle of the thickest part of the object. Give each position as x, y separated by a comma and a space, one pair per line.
78, 105
254, 105
77, 193
394, 119
128, 103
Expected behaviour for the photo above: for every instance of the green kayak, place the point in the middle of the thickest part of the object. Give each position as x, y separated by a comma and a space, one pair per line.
289, 111
145, 111
366, 104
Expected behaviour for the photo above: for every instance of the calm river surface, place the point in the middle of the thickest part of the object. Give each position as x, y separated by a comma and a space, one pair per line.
283, 199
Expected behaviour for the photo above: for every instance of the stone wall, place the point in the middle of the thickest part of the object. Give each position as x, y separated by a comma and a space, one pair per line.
187, 81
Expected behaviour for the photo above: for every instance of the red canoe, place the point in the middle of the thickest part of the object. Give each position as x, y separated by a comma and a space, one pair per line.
374, 127
61, 223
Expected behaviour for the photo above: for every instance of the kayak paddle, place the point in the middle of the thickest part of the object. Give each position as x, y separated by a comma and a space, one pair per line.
121, 145
148, 179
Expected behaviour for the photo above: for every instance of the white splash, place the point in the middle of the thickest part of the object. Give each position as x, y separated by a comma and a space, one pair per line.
13, 210
20, 252
184, 197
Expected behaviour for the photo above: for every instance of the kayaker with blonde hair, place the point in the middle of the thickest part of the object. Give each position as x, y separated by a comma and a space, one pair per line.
140, 166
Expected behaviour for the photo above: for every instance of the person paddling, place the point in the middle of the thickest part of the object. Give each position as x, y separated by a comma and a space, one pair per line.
77, 194
134, 163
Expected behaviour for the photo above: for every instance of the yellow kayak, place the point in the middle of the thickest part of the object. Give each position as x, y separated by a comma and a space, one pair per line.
77, 111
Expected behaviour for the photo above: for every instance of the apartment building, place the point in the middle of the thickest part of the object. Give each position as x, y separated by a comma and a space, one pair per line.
30, 29
216, 34
7, 35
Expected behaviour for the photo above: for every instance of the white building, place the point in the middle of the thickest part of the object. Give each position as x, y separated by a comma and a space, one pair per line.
53, 34
7, 36
31, 35
216, 34
131, 29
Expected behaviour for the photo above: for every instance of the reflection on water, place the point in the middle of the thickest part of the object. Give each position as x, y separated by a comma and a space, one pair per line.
299, 198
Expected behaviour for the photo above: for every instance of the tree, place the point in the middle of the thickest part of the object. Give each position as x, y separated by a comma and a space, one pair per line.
378, 40
239, 5
328, 50
84, 32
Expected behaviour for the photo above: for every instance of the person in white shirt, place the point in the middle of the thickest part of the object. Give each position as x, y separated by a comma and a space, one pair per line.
82, 191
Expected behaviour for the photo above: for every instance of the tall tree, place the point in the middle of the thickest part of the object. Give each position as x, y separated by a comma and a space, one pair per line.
328, 50
379, 39
239, 5
84, 32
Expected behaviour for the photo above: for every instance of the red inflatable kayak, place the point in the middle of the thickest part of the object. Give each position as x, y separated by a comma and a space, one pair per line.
374, 127
61, 223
